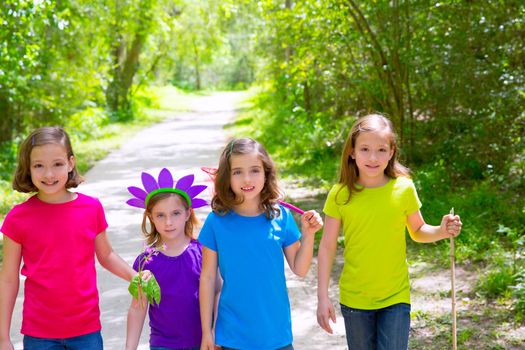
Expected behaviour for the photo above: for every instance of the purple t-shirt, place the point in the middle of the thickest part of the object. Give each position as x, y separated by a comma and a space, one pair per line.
175, 322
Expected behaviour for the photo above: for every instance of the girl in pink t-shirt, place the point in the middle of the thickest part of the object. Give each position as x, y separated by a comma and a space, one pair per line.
57, 233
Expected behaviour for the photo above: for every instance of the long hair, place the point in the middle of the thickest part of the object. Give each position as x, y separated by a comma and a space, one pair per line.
151, 233
349, 172
224, 198
42, 136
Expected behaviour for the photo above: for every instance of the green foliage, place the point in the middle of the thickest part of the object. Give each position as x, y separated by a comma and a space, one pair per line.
334, 60
86, 124
8, 152
519, 295
48, 70
218, 51
150, 288
497, 283
8, 197
450, 76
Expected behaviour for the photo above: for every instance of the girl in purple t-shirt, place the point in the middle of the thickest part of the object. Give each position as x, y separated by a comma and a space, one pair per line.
176, 263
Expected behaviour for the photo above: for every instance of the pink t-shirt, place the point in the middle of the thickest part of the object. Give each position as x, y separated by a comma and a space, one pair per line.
58, 251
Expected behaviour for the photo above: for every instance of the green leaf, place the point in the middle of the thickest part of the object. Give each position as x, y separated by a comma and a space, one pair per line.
152, 290
134, 287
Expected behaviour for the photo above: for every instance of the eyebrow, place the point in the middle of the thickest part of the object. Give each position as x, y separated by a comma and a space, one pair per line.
53, 160
367, 145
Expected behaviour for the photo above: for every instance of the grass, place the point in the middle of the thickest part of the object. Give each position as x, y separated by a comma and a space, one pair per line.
481, 327
172, 99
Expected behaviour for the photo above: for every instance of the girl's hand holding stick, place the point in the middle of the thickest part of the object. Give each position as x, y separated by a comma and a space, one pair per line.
453, 288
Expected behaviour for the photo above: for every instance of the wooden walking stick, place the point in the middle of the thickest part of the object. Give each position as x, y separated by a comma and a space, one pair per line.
453, 289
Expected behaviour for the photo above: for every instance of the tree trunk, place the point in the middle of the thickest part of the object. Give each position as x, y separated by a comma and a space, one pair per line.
126, 63
389, 68
6, 120
307, 98
197, 65
114, 91
288, 50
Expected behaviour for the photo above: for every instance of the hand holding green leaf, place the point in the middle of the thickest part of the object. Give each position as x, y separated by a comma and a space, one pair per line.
149, 286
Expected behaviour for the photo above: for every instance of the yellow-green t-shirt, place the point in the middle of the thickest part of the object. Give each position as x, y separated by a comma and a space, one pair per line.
375, 272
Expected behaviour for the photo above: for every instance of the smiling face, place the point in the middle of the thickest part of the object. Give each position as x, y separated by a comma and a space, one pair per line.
372, 153
247, 176
169, 216
50, 167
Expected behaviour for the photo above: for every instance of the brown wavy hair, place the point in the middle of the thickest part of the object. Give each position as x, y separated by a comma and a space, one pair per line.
42, 136
224, 198
151, 233
348, 172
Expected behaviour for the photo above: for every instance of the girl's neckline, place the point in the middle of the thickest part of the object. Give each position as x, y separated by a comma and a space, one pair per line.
386, 184
246, 216
74, 195
181, 253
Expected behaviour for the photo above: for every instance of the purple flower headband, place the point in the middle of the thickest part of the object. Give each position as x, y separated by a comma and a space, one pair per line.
165, 184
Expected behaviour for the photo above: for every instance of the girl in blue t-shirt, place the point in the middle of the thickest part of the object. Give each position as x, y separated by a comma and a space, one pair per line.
245, 236
373, 202
174, 257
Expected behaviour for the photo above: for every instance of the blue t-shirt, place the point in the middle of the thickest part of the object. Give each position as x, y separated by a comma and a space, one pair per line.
175, 322
254, 310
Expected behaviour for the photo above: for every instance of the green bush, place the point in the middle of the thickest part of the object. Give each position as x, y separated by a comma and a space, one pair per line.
9, 197
518, 291
496, 283
8, 151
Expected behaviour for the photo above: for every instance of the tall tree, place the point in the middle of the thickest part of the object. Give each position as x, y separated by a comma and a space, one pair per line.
131, 24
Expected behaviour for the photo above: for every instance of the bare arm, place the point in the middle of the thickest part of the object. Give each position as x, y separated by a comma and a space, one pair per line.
9, 282
325, 260
299, 254
218, 289
207, 291
136, 316
110, 260
422, 232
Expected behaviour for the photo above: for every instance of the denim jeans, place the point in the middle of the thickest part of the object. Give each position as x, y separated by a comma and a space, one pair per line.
91, 341
382, 329
287, 347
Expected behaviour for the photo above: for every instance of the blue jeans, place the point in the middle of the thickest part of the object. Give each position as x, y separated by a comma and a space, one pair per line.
91, 341
287, 347
382, 329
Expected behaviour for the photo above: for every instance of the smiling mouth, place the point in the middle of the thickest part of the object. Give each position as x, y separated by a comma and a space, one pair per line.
247, 189
50, 183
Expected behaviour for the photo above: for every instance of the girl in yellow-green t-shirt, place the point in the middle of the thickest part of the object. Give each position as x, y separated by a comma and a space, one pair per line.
374, 200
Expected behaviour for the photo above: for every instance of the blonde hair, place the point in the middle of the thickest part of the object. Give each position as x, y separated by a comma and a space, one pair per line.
42, 136
349, 172
151, 234
224, 198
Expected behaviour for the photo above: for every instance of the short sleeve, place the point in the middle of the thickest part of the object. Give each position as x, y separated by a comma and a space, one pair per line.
102, 224
330, 206
10, 225
411, 199
136, 263
292, 231
207, 234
